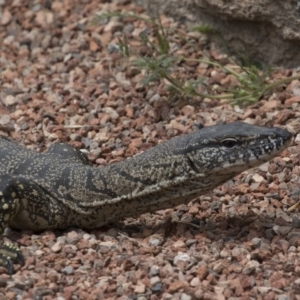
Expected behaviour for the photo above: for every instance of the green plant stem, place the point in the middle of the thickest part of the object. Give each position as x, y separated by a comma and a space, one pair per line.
279, 82
180, 88
214, 64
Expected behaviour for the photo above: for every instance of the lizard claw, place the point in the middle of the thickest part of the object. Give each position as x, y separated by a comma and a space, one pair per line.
8, 255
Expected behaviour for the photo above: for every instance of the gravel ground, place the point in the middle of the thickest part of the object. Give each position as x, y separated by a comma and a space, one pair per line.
62, 79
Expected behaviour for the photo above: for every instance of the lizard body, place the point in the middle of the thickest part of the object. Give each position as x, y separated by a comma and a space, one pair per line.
59, 189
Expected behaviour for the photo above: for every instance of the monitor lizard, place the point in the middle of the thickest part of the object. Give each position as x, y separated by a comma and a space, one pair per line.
59, 189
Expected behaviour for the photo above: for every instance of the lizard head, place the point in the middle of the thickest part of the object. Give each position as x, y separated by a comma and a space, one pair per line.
234, 147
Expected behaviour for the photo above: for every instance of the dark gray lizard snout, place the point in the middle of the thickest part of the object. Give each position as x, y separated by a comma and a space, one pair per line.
281, 136
286, 135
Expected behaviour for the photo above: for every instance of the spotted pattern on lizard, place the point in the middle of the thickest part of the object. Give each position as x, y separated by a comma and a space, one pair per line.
59, 189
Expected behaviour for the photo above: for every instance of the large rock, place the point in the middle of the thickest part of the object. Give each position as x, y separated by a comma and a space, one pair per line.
261, 30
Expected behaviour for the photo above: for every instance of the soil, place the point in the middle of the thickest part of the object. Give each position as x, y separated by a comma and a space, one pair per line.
63, 79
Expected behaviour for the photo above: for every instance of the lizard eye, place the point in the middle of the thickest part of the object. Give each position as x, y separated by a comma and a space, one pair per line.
229, 143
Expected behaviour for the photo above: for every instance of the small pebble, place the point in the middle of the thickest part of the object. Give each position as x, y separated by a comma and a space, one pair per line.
181, 256
56, 247
68, 270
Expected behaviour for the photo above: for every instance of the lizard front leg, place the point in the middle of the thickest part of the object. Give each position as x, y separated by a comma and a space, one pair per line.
9, 206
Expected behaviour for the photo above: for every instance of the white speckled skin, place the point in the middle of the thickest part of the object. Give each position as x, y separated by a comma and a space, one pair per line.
58, 189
